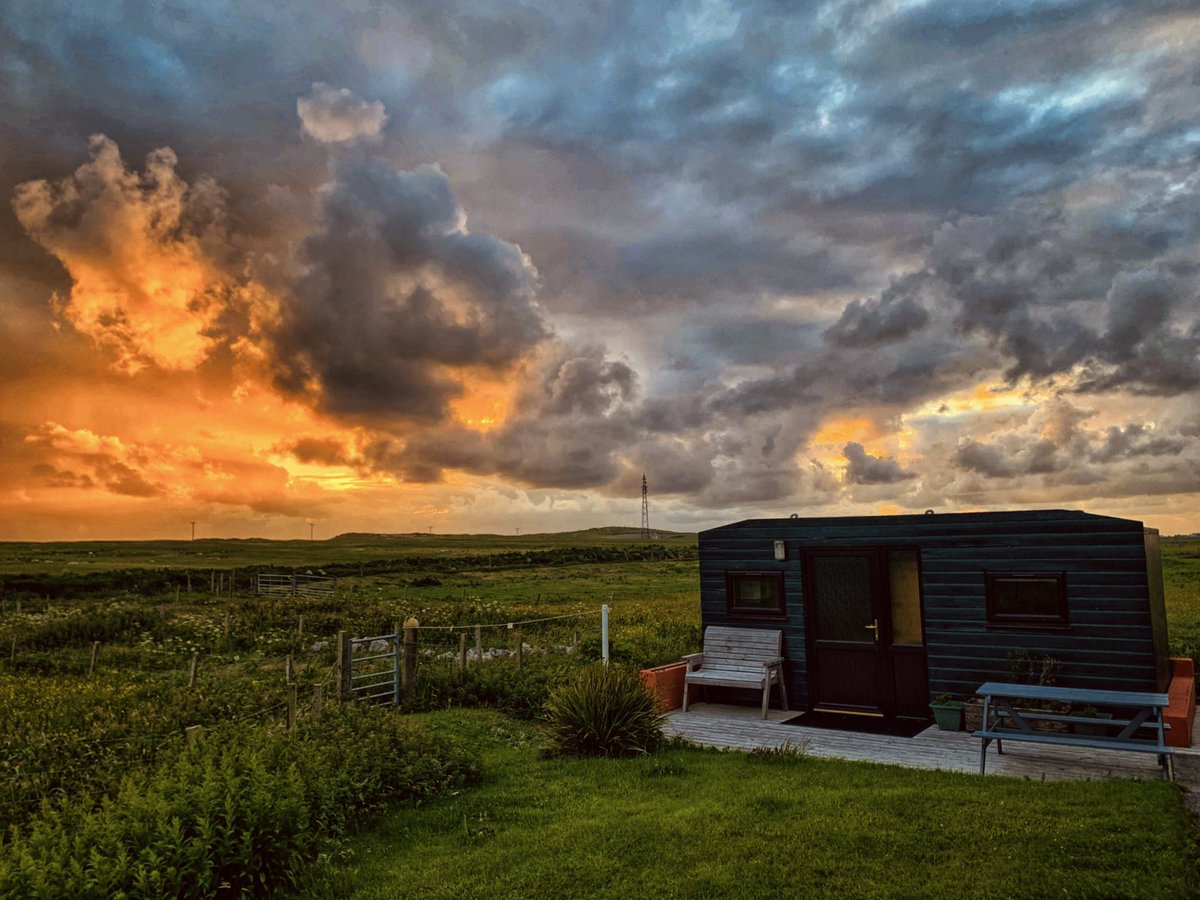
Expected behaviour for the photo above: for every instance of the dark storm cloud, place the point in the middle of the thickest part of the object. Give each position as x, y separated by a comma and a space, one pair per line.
867, 469
397, 296
892, 317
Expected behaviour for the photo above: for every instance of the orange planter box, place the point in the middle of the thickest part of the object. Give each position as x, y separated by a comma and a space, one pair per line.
666, 682
1181, 713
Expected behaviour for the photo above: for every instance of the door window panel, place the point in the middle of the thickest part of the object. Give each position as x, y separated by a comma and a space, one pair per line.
843, 598
905, 586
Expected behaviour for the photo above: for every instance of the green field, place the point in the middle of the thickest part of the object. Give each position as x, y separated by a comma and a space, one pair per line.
69, 735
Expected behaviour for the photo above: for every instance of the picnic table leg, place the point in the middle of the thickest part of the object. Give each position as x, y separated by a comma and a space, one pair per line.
983, 742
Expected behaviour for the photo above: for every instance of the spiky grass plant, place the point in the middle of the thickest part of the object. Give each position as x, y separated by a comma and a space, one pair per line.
603, 711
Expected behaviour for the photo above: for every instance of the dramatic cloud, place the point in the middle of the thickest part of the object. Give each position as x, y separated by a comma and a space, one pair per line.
138, 248
398, 299
467, 265
867, 469
333, 115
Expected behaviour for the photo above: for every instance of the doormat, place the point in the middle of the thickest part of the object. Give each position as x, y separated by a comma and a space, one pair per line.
905, 728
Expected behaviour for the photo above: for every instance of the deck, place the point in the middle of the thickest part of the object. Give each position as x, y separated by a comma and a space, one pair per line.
742, 728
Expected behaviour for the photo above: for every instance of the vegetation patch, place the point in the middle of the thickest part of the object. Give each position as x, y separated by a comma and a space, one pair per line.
244, 811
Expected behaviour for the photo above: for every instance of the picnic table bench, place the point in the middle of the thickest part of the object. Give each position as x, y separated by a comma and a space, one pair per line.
738, 657
1142, 727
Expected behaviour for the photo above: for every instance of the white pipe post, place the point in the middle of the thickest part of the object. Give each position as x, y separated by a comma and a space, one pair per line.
604, 633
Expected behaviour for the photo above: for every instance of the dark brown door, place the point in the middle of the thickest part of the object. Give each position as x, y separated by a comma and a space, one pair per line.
866, 647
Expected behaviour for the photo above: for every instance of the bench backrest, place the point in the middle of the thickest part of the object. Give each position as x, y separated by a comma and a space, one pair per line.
734, 648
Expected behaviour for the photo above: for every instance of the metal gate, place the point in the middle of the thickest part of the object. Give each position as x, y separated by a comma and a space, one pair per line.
268, 584
374, 675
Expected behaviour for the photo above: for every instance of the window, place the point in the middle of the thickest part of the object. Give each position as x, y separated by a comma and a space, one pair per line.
755, 594
1027, 599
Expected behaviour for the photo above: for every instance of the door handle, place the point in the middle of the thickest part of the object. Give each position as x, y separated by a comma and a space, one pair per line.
874, 628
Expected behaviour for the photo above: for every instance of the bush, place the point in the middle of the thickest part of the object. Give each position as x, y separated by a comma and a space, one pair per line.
604, 712
521, 693
246, 811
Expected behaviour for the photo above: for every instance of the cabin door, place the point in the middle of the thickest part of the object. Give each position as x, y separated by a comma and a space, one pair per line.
866, 643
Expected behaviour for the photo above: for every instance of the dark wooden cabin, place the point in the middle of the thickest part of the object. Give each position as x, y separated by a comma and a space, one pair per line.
881, 614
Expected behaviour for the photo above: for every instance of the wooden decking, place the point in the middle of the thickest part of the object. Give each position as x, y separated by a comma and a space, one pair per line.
740, 728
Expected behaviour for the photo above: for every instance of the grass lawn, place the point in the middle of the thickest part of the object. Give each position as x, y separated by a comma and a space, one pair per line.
700, 823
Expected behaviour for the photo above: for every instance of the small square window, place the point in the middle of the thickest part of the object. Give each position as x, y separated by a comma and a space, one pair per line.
755, 594
1029, 599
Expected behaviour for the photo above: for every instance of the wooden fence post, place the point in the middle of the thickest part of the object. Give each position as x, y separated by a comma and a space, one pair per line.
410, 655
520, 650
343, 665
462, 656
291, 707
478, 644
399, 671
300, 626
290, 670
316, 704
92, 665
195, 667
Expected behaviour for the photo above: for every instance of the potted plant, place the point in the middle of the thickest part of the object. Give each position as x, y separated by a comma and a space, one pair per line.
947, 712
1093, 728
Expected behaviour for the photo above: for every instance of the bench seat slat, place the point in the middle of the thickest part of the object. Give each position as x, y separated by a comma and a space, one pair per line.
1095, 743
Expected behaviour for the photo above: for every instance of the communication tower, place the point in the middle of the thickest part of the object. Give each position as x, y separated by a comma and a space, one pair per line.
645, 509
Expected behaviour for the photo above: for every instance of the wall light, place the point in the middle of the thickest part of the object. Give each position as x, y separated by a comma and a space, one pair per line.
780, 550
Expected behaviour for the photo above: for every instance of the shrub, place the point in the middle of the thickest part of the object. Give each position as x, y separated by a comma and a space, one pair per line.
604, 712
246, 811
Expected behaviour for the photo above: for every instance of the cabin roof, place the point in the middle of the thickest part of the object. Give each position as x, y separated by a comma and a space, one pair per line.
904, 522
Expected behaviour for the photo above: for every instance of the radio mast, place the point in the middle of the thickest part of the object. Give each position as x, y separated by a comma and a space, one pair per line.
645, 509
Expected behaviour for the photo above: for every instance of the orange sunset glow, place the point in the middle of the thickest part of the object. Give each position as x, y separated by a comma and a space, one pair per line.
472, 279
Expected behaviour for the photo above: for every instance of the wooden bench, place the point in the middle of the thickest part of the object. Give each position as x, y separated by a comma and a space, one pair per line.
738, 657
1003, 721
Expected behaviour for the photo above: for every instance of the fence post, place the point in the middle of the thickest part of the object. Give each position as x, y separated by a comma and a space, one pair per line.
195, 667
462, 656
604, 633
291, 706
410, 655
478, 644
520, 649
316, 704
290, 670
344, 663
92, 665
399, 672
300, 626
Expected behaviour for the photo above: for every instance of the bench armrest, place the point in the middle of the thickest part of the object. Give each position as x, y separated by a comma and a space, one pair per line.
693, 661
771, 663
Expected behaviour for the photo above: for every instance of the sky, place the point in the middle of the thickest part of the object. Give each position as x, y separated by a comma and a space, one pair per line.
477, 266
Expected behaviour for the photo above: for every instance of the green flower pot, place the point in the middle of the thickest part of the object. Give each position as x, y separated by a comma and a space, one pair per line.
948, 715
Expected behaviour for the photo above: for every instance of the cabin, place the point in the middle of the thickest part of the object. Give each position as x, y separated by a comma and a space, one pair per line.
881, 614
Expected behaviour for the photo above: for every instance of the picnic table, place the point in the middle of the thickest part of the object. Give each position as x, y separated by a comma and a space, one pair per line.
1141, 724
